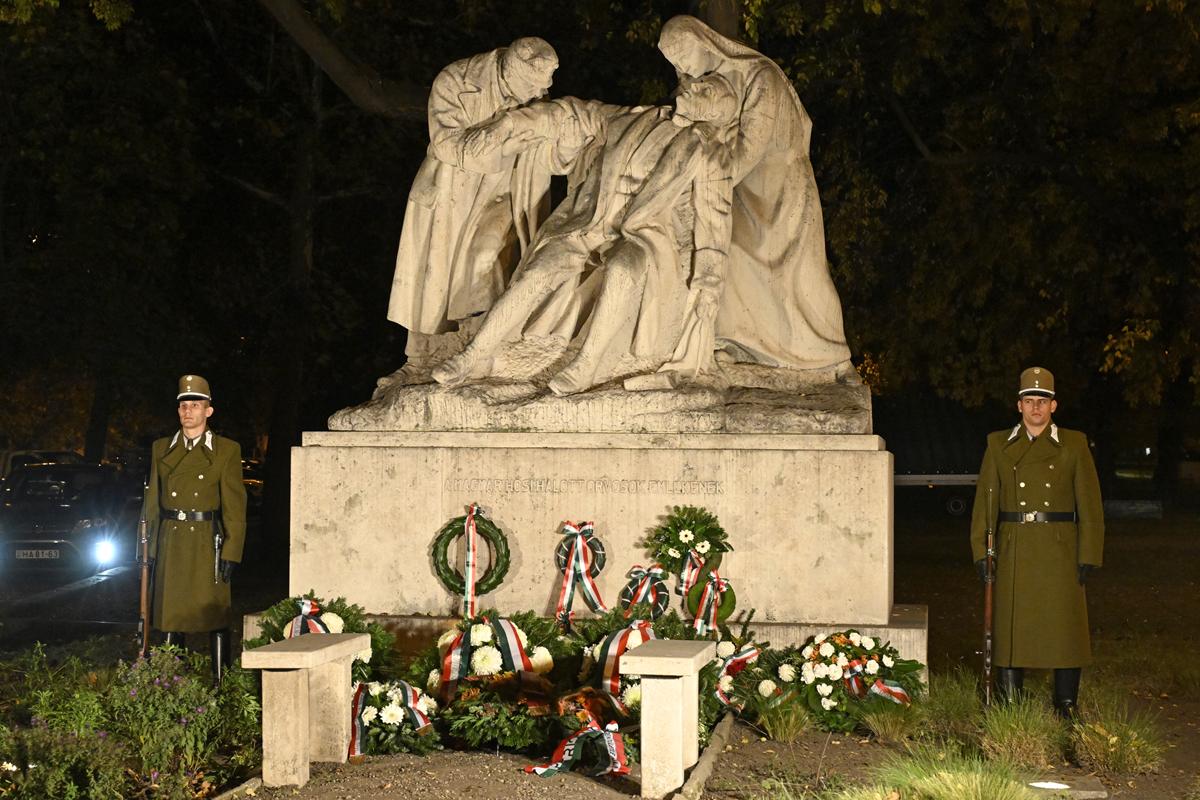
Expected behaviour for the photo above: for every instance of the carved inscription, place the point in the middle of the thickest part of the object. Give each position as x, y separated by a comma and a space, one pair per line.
603, 485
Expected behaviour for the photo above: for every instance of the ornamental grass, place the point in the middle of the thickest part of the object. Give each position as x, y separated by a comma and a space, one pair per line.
953, 709
1024, 733
890, 723
1110, 738
938, 774
785, 722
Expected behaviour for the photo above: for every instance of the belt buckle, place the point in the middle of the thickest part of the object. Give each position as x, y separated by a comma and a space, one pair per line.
181, 516
1028, 516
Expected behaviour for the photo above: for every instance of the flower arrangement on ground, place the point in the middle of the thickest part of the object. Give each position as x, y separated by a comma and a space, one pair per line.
395, 717
835, 675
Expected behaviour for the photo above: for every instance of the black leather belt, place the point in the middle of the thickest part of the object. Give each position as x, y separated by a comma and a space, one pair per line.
188, 516
1037, 516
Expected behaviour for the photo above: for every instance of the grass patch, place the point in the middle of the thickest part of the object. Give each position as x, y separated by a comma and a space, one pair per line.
891, 723
1193, 792
785, 722
952, 711
1024, 733
1122, 664
1112, 739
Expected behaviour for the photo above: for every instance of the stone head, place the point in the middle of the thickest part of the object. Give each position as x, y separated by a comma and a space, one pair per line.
527, 68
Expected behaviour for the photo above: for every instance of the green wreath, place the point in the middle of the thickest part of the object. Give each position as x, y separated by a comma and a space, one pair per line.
449, 575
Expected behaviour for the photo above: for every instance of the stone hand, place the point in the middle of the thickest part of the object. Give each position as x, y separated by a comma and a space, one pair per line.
706, 304
227, 568
1085, 570
486, 138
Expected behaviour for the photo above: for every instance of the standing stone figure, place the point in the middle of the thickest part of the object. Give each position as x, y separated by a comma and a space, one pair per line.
779, 305
195, 501
1040, 484
469, 217
618, 224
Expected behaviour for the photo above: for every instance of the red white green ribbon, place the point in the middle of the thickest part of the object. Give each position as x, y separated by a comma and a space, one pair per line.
456, 663
690, 574
309, 620
608, 677
506, 640
646, 586
406, 697
577, 573
731, 667
357, 729
891, 690
471, 567
570, 750
709, 607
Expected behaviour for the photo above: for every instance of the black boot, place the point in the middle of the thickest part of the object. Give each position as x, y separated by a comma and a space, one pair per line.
1066, 692
219, 643
174, 638
1009, 682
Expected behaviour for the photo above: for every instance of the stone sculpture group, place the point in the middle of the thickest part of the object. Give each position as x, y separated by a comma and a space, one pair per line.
689, 235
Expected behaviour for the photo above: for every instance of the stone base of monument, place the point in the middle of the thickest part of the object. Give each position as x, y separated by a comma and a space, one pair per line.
809, 515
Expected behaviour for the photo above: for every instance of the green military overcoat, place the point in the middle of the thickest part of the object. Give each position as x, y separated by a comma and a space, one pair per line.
1040, 610
208, 477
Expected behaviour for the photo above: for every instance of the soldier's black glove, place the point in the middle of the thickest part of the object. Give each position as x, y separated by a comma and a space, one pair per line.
981, 569
1084, 571
227, 569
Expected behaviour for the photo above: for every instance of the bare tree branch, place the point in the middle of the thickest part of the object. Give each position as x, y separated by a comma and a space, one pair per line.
363, 85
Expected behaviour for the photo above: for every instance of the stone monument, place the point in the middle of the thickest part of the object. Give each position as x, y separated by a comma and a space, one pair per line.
670, 336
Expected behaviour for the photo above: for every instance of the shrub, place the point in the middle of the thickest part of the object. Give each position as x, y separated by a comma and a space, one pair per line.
938, 774
1111, 739
41, 762
1023, 732
891, 723
786, 722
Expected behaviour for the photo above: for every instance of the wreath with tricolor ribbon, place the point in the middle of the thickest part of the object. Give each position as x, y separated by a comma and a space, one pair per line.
474, 526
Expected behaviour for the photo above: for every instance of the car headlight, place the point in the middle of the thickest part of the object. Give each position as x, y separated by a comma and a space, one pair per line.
104, 552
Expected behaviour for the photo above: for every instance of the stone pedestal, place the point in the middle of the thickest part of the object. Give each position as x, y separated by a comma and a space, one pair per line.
809, 515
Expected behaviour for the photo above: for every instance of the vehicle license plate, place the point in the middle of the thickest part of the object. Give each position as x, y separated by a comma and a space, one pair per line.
36, 554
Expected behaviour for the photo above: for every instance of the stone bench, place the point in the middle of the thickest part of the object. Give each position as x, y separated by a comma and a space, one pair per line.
306, 702
670, 740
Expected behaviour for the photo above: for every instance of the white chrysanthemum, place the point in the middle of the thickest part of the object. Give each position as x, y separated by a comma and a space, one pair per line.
447, 639
725, 684
364, 656
634, 641
333, 622
395, 693
828, 704
821, 638
434, 681
521, 635
807, 651
480, 634
686, 536
632, 696
596, 651
725, 648
8, 766
392, 714
842, 661
703, 547
369, 714
585, 669
808, 678
819, 670
826, 650
868, 643
427, 705
767, 688
486, 661
888, 661
872, 667
855, 639
374, 688
825, 689
541, 660
787, 673
672, 552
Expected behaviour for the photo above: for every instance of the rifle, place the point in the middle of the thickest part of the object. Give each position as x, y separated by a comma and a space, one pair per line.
988, 583
144, 562
218, 540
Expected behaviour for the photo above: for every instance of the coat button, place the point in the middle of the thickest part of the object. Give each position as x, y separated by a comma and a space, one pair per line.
201, 477
1046, 503
1022, 502
172, 494
1022, 484
1047, 486
1051, 466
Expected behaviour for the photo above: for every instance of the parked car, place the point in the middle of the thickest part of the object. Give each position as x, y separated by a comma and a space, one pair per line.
79, 517
12, 459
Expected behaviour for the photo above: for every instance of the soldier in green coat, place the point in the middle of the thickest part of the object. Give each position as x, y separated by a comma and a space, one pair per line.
196, 516
1038, 482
